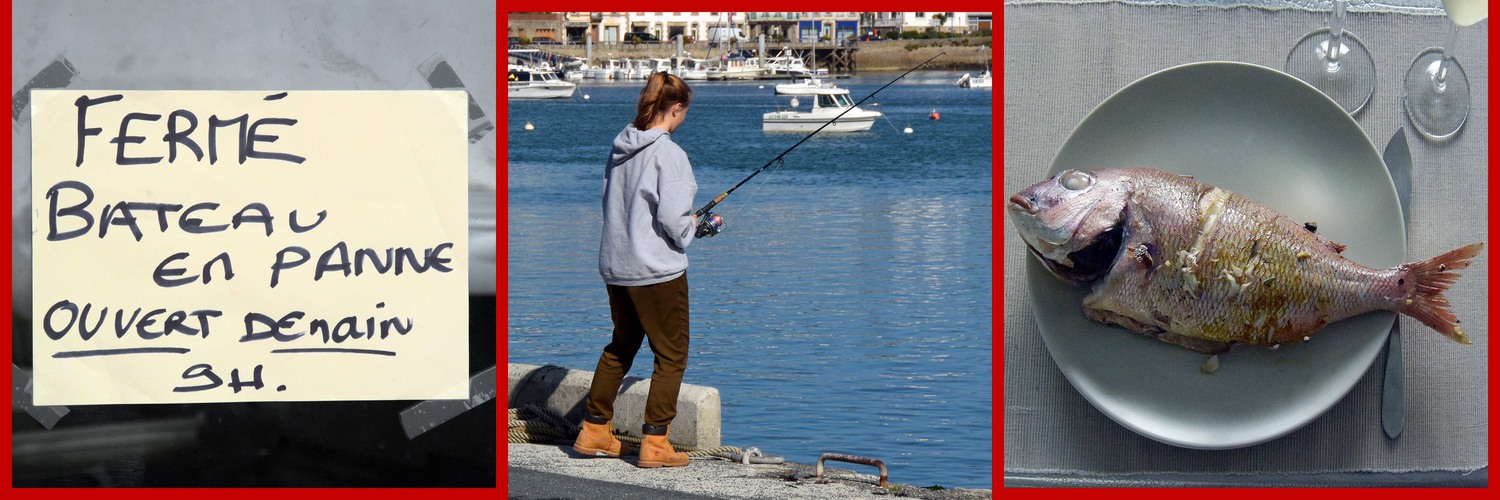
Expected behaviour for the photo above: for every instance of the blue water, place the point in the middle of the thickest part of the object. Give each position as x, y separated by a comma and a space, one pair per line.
847, 308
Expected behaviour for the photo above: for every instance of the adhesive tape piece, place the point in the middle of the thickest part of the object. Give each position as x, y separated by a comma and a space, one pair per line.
20, 396
440, 75
55, 76
424, 416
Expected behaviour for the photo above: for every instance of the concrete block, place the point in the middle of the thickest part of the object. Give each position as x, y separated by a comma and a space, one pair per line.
565, 391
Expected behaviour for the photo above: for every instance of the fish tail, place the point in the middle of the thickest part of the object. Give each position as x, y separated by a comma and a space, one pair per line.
1425, 283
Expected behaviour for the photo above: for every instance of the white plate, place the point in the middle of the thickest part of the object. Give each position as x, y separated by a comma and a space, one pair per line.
1276, 140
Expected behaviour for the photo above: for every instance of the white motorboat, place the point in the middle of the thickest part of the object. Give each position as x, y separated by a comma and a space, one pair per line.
635, 69
736, 68
826, 105
658, 65
525, 82
606, 71
575, 69
787, 65
688, 68
808, 86
983, 81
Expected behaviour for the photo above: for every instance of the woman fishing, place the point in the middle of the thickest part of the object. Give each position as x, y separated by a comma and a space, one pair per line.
648, 224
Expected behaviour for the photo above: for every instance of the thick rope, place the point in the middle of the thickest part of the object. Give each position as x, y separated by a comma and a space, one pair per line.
538, 425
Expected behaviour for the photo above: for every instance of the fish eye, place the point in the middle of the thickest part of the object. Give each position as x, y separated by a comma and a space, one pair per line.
1075, 180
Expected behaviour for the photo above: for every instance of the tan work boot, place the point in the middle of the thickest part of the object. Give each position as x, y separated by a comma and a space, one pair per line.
656, 451
597, 439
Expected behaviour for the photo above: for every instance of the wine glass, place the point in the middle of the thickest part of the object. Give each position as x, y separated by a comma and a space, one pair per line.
1437, 90
1335, 62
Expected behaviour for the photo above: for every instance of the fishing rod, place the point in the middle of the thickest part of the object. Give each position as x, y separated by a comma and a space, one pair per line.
703, 227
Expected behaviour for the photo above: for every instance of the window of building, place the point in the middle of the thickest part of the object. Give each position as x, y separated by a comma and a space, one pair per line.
921, 15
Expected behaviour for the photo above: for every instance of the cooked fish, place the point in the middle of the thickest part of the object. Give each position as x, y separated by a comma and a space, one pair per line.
1195, 265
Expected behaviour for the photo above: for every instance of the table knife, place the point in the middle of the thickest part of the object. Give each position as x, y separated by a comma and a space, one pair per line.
1397, 158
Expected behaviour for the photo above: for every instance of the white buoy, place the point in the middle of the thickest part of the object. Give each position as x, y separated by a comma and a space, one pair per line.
585, 97
529, 127
794, 102
908, 129
762, 86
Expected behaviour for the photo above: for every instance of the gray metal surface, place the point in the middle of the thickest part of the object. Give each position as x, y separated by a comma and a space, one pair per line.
1475, 479
1397, 157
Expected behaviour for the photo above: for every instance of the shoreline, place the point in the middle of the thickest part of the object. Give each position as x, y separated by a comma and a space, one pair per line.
963, 54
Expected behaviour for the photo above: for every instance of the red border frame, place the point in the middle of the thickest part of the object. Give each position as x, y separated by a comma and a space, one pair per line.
500, 349
997, 175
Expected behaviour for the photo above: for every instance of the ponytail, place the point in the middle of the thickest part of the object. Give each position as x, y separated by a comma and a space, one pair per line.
662, 90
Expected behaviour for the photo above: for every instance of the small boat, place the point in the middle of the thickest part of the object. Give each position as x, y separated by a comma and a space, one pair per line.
735, 68
633, 69
658, 65
787, 64
826, 105
606, 71
807, 86
622, 68
983, 81
688, 68
526, 82
575, 69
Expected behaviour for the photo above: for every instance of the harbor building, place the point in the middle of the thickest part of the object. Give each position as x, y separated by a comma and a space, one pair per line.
885, 23
613, 27
778, 27
980, 21
804, 27
534, 26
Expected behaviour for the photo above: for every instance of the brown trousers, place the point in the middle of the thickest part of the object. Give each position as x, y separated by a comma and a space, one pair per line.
658, 313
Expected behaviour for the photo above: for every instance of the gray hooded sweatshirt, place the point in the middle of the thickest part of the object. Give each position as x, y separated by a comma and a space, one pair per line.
648, 206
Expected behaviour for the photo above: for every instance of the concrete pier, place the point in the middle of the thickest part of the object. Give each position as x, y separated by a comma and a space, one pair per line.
564, 391
556, 471
550, 471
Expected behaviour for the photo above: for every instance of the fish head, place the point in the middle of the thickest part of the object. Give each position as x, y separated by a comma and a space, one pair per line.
1072, 222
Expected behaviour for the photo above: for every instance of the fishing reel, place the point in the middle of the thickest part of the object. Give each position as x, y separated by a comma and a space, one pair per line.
709, 225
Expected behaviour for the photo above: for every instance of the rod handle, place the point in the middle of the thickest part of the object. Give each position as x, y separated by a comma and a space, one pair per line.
710, 205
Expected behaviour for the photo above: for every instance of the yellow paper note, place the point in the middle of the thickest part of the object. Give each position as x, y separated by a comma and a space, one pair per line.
206, 246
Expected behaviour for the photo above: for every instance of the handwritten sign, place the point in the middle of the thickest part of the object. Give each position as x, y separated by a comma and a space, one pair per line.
249, 246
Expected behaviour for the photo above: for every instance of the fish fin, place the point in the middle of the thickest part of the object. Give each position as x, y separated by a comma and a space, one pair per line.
1155, 331
1323, 240
1424, 294
1201, 345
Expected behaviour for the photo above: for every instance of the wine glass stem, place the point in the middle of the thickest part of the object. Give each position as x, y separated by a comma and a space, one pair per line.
1440, 78
1336, 34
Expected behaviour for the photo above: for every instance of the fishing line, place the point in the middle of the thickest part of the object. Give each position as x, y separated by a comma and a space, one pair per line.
779, 158
748, 199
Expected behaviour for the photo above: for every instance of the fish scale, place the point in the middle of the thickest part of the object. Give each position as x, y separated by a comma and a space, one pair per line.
1206, 268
